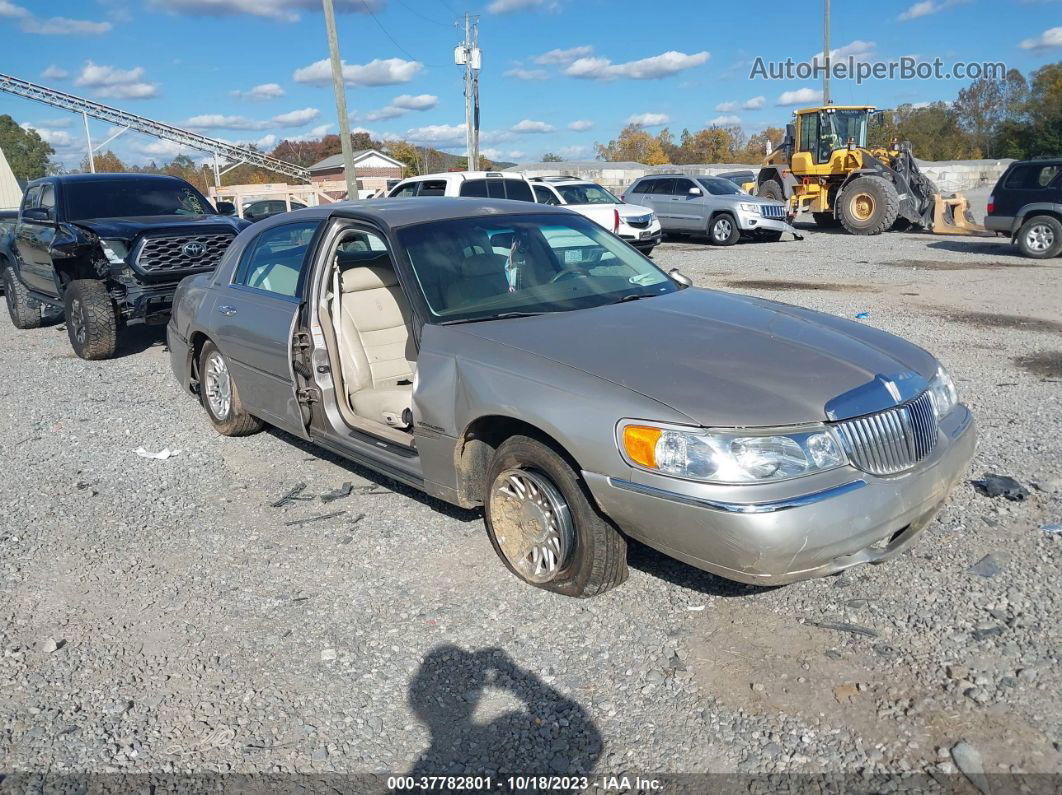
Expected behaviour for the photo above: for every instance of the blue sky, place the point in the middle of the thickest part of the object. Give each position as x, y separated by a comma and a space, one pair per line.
557, 75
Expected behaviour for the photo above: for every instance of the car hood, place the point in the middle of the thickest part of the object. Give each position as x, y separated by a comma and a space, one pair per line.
129, 228
632, 210
721, 359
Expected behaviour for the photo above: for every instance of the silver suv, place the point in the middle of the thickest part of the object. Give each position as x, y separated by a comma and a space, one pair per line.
709, 205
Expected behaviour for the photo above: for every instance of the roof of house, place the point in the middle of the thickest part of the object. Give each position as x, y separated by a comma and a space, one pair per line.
336, 161
10, 190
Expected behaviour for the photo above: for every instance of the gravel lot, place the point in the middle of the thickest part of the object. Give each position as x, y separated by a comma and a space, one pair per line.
161, 615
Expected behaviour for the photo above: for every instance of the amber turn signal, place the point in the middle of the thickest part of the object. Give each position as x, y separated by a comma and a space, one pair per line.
640, 443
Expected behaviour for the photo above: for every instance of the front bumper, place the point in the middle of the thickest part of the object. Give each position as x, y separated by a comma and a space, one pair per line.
849, 517
641, 238
754, 222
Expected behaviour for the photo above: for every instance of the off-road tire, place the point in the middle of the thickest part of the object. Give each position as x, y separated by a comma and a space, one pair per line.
598, 559
723, 230
868, 206
89, 308
1049, 229
771, 189
236, 422
770, 236
826, 220
25, 312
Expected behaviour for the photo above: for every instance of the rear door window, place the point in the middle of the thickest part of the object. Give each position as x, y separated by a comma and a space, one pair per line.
432, 187
1031, 176
275, 260
518, 190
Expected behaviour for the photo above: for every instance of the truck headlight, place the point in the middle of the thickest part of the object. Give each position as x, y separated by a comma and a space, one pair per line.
115, 250
752, 456
749, 207
943, 393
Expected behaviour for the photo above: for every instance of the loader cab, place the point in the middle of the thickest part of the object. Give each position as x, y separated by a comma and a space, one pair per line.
822, 131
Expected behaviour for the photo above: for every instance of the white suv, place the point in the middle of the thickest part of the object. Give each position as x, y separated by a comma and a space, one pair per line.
479, 184
636, 224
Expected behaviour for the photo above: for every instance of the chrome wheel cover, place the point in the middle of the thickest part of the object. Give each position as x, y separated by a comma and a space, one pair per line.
77, 321
1040, 237
217, 385
532, 524
723, 229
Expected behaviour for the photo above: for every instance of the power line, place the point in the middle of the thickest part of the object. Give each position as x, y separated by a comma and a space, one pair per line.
379, 24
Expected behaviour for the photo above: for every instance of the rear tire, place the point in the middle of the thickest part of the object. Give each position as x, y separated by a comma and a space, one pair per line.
1040, 237
25, 312
868, 206
825, 220
723, 230
221, 398
91, 319
543, 526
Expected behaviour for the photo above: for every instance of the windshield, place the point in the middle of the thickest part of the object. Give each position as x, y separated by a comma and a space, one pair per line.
111, 198
719, 187
843, 125
586, 194
483, 268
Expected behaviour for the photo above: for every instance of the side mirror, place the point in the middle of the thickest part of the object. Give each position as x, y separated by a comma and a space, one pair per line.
680, 278
696, 192
37, 214
226, 208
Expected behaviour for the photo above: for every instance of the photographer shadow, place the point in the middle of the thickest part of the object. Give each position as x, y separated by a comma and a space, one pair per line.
549, 734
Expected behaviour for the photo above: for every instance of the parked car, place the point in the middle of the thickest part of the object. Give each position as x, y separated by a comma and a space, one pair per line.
637, 225
266, 208
1026, 205
746, 180
108, 250
510, 357
709, 206
475, 184
7, 225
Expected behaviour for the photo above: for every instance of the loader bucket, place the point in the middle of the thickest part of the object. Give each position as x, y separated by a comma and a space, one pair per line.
951, 216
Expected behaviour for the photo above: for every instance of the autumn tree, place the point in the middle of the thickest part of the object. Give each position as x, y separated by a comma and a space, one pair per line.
26, 152
985, 104
1045, 111
552, 157
408, 155
106, 163
633, 144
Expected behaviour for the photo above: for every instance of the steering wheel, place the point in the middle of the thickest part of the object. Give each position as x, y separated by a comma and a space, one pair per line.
577, 271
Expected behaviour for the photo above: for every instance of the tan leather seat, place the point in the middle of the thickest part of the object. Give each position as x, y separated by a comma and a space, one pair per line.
376, 349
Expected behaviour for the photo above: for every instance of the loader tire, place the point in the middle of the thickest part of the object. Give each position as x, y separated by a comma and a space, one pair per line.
771, 189
868, 206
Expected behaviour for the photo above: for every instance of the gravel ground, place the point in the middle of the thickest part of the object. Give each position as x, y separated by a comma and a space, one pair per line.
161, 615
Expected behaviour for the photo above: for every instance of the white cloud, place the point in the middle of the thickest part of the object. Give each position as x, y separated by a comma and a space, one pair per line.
927, 7
563, 56
54, 72
491, 153
526, 74
12, 11
729, 120
383, 114
508, 6
517, 154
378, 72
64, 26
417, 102
572, 151
581, 125
799, 96
530, 126
437, 134
219, 121
58, 139
754, 104
726, 107
261, 93
649, 119
280, 10
663, 65
296, 118
858, 50
109, 81
1046, 40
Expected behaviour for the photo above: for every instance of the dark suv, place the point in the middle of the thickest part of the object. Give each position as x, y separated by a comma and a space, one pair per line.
1026, 205
109, 250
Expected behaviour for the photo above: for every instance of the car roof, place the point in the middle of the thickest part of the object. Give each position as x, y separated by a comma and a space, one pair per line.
67, 178
467, 175
395, 213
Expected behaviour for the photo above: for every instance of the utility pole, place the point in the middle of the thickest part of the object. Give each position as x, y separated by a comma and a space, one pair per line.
826, 53
341, 101
88, 146
467, 55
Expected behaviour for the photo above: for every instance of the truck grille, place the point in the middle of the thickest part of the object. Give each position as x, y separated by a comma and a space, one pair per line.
639, 221
772, 210
164, 254
892, 440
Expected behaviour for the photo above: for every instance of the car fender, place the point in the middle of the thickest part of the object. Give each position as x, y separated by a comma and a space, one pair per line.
1036, 208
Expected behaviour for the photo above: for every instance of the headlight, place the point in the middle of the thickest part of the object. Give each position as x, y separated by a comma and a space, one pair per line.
731, 456
115, 250
943, 393
749, 207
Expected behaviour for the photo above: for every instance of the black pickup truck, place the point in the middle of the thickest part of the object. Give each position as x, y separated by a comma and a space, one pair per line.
109, 250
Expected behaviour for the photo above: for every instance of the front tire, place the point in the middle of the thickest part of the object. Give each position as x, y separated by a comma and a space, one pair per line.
723, 230
25, 312
1040, 237
221, 398
868, 206
543, 526
91, 319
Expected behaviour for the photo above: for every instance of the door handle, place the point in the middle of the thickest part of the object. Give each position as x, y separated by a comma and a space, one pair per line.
228, 311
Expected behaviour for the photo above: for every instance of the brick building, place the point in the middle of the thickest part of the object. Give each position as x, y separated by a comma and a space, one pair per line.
373, 169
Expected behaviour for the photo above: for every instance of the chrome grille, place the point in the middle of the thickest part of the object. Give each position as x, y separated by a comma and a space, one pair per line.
772, 210
639, 221
892, 440
167, 253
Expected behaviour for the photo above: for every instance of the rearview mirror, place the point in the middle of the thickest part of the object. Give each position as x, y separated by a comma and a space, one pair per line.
696, 192
680, 278
502, 240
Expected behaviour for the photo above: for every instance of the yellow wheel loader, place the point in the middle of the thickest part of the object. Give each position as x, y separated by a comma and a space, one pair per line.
825, 167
